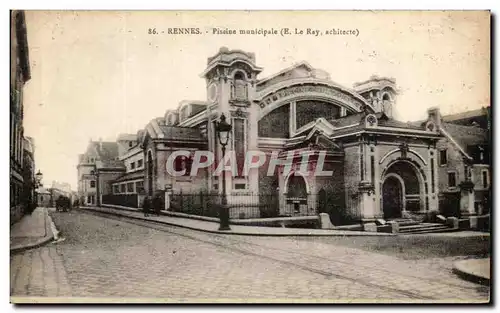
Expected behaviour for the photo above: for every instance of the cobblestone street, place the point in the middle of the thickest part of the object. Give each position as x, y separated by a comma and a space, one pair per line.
114, 257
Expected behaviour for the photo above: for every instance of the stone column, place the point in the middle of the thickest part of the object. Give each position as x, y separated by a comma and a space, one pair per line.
367, 203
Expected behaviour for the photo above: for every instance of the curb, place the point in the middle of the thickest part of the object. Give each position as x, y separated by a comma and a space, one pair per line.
239, 233
463, 273
45, 240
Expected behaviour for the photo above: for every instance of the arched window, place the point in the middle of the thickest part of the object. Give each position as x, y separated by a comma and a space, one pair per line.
183, 163
239, 87
386, 104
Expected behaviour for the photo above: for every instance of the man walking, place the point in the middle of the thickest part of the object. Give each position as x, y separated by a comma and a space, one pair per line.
157, 204
146, 206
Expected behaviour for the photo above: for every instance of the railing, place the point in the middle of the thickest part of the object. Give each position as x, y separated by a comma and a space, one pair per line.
244, 205
201, 204
128, 200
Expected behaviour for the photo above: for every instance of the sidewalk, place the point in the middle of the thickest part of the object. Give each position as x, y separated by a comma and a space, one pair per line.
31, 231
475, 270
212, 226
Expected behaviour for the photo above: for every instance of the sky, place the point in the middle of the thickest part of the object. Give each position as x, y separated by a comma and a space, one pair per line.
97, 74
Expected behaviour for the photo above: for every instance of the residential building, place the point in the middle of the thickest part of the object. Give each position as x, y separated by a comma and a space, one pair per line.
465, 163
128, 189
29, 187
19, 75
96, 168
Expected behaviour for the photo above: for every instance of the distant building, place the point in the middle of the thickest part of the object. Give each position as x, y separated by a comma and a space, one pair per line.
29, 194
63, 187
19, 75
130, 185
44, 197
96, 168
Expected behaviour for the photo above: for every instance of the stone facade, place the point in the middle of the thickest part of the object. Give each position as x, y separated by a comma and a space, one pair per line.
97, 168
464, 158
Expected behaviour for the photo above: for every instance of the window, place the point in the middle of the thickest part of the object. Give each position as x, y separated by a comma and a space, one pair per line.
92, 184
240, 186
452, 179
130, 187
443, 158
183, 163
116, 189
184, 113
484, 175
132, 165
130, 144
122, 188
139, 163
139, 187
239, 88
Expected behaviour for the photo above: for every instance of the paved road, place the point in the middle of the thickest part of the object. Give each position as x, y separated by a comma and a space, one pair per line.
112, 257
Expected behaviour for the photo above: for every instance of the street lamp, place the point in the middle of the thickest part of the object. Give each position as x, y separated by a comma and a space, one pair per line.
38, 177
223, 129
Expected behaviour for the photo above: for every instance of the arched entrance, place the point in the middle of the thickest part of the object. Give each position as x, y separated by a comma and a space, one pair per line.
296, 194
393, 197
150, 174
296, 186
401, 189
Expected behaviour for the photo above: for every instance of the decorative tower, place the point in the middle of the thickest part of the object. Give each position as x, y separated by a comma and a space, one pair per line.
231, 77
380, 92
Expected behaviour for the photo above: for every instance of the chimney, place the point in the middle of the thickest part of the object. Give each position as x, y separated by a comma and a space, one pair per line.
435, 116
100, 143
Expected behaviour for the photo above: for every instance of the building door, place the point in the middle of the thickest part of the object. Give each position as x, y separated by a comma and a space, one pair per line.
297, 194
392, 195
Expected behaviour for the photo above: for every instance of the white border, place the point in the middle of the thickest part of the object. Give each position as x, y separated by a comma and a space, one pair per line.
226, 5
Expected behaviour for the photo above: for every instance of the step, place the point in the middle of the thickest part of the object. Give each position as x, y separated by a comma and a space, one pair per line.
423, 226
404, 221
408, 223
419, 225
429, 231
425, 229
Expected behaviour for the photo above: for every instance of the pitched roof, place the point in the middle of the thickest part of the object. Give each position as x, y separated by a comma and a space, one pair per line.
106, 150
466, 115
112, 164
130, 176
182, 133
466, 135
398, 124
347, 120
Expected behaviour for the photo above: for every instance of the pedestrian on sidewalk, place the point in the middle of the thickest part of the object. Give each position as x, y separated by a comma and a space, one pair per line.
146, 206
157, 204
